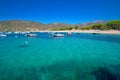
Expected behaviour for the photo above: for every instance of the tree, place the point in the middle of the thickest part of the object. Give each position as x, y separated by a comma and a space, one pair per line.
100, 27
115, 24
76, 27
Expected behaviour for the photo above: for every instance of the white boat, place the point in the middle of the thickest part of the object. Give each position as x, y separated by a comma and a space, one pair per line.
58, 35
16, 32
9, 33
69, 33
25, 32
22, 32
3, 35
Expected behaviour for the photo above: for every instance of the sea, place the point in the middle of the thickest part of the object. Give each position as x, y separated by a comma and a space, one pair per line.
79, 56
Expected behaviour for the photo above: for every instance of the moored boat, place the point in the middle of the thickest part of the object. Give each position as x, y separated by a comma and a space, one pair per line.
31, 35
25, 32
69, 33
8, 32
3, 35
95, 33
58, 35
16, 32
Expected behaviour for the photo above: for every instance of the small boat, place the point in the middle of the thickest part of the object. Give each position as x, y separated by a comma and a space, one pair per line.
9, 33
25, 32
78, 32
95, 33
16, 32
69, 33
3, 35
58, 35
31, 35
22, 32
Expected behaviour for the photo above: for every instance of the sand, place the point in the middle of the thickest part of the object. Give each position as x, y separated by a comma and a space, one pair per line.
89, 31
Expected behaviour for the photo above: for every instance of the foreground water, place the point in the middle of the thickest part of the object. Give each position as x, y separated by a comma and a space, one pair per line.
75, 57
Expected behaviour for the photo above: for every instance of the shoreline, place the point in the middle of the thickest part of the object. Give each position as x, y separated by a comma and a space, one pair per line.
80, 31
88, 31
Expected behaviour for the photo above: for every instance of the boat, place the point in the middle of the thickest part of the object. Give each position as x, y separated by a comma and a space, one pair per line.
8, 32
25, 32
78, 32
95, 33
58, 35
22, 32
69, 33
3, 35
31, 35
16, 32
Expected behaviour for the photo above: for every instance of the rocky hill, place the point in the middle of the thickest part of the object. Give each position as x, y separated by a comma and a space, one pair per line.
21, 25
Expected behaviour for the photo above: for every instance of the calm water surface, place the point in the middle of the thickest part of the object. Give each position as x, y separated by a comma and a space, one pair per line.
75, 57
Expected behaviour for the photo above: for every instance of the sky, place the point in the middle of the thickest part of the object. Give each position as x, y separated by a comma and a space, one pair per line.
63, 11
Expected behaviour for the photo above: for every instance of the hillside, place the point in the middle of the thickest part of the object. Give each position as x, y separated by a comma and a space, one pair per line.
20, 25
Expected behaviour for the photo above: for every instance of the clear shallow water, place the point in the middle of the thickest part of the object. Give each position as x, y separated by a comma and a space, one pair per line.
75, 57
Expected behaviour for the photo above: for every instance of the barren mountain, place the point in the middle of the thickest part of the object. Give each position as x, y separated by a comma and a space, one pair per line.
21, 25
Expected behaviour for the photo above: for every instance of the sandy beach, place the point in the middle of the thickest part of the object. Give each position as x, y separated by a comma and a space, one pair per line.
100, 31
88, 31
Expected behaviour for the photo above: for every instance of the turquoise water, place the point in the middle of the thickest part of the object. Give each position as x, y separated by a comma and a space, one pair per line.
75, 57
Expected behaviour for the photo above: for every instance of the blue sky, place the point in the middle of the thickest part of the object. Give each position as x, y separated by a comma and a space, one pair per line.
66, 11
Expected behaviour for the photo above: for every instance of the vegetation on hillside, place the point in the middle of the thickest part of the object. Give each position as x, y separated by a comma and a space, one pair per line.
111, 25
114, 25
96, 27
66, 28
